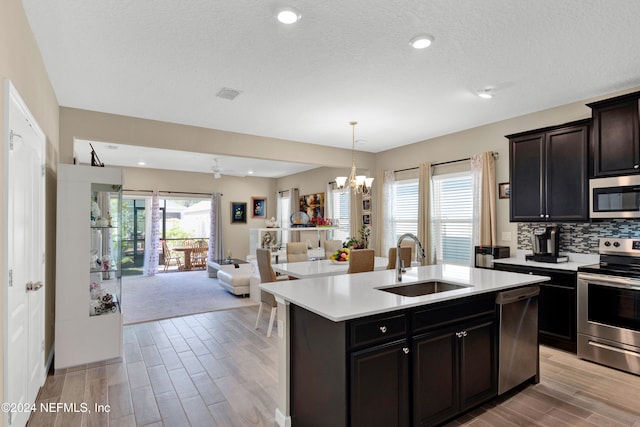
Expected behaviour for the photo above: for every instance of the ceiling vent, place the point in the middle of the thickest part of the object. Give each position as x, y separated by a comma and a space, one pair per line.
228, 93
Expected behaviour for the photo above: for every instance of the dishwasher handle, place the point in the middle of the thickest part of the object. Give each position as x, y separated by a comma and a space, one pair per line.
515, 295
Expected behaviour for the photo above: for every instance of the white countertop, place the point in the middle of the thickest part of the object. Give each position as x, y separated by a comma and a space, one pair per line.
324, 267
575, 261
351, 296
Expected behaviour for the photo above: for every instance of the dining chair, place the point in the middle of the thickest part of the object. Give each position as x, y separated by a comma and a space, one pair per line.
361, 260
263, 256
405, 255
297, 252
331, 247
170, 256
199, 254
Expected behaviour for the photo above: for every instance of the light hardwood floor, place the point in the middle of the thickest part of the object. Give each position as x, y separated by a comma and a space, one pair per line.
214, 369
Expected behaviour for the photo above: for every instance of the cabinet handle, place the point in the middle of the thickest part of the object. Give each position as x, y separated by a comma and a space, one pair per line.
541, 215
546, 216
636, 166
459, 334
34, 286
383, 329
406, 350
464, 333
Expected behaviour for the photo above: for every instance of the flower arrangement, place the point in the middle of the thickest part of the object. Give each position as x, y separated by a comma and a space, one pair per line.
341, 255
362, 242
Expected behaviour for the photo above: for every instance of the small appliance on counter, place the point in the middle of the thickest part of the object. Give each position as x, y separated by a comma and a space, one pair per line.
546, 244
486, 254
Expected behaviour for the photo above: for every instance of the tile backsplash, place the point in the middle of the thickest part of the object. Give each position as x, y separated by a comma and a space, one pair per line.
582, 237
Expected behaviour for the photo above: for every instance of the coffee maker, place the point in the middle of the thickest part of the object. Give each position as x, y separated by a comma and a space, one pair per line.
546, 244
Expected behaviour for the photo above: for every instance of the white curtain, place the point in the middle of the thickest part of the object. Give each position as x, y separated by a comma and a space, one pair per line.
152, 235
483, 173
216, 242
424, 213
294, 199
386, 226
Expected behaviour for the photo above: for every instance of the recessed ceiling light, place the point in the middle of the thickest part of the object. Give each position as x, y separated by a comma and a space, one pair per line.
421, 41
141, 163
486, 93
288, 15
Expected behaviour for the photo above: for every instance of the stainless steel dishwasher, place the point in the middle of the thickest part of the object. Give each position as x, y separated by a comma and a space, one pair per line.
518, 336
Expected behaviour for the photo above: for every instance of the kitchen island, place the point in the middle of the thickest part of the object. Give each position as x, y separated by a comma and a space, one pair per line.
352, 353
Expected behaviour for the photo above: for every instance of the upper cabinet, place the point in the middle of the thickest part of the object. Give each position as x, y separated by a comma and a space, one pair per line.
616, 136
548, 173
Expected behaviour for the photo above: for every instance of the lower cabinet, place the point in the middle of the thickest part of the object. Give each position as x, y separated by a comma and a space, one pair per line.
416, 367
557, 305
453, 370
380, 385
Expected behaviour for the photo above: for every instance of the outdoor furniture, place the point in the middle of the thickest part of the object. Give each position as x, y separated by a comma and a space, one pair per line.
187, 255
199, 254
169, 256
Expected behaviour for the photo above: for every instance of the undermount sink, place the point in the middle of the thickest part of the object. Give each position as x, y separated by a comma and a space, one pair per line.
422, 288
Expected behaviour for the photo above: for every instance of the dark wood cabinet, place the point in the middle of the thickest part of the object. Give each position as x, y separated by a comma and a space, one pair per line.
616, 136
453, 370
557, 305
413, 367
380, 386
549, 174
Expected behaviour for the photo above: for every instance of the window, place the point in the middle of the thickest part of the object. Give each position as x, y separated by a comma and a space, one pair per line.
405, 207
452, 217
340, 206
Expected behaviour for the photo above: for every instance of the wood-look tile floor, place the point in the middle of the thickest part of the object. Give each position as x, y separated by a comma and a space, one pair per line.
214, 369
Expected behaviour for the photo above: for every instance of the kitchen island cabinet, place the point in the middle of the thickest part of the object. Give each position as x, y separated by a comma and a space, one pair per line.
351, 354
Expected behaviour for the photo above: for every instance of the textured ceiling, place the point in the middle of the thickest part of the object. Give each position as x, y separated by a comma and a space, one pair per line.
343, 61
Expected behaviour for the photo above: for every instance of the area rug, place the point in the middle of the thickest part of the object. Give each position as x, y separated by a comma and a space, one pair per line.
175, 294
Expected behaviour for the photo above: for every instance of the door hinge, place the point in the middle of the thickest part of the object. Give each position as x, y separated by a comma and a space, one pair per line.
10, 278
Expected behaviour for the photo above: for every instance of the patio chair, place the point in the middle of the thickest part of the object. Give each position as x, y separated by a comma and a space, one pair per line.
199, 254
169, 256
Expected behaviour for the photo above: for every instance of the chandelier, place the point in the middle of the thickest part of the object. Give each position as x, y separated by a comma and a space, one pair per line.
357, 183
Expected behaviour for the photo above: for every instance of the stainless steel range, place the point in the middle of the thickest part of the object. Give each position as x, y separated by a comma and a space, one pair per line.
609, 306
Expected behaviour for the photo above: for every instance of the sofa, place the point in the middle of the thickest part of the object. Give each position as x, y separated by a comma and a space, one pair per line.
243, 280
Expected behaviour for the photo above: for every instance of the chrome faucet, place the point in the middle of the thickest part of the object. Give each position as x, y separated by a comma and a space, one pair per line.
399, 262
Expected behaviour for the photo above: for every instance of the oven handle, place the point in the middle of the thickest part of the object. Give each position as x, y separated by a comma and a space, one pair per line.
618, 282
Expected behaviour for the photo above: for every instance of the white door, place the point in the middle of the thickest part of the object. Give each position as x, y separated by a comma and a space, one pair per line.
25, 186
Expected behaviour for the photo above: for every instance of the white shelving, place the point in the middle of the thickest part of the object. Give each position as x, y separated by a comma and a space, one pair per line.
313, 235
88, 276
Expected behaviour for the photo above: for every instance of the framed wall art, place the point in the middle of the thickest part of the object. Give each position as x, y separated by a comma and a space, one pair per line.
313, 205
366, 205
258, 207
366, 219
238, 213
504, 191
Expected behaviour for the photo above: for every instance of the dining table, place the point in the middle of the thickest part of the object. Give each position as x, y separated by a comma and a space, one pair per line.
187, 255
320, 268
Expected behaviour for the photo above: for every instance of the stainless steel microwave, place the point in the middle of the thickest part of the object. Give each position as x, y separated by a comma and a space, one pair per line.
615, 197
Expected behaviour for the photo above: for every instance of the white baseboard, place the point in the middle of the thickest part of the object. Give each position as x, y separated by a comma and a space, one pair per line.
282, 420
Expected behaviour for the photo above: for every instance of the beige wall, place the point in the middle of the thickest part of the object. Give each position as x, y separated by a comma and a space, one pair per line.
20, 62
234, 189
485, 138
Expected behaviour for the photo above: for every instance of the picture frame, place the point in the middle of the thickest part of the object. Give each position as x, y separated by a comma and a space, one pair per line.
366, 219
504, 190
366, 205
313, 205
258, 207
238, 213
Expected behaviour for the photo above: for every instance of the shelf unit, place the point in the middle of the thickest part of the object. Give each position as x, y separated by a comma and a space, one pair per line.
88, 267
256, 237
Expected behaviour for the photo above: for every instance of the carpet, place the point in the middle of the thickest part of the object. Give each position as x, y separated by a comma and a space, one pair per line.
175, 294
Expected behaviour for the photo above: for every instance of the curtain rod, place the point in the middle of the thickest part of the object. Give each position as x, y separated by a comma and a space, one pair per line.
170, 192
494, 153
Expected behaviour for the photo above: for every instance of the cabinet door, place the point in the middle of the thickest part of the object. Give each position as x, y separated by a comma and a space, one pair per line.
435, 378
567, 196
557, 316
380, 386
525, 172
478, 369
616, 145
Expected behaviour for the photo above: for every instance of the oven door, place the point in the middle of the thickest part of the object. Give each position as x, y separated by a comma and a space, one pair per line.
609, 320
